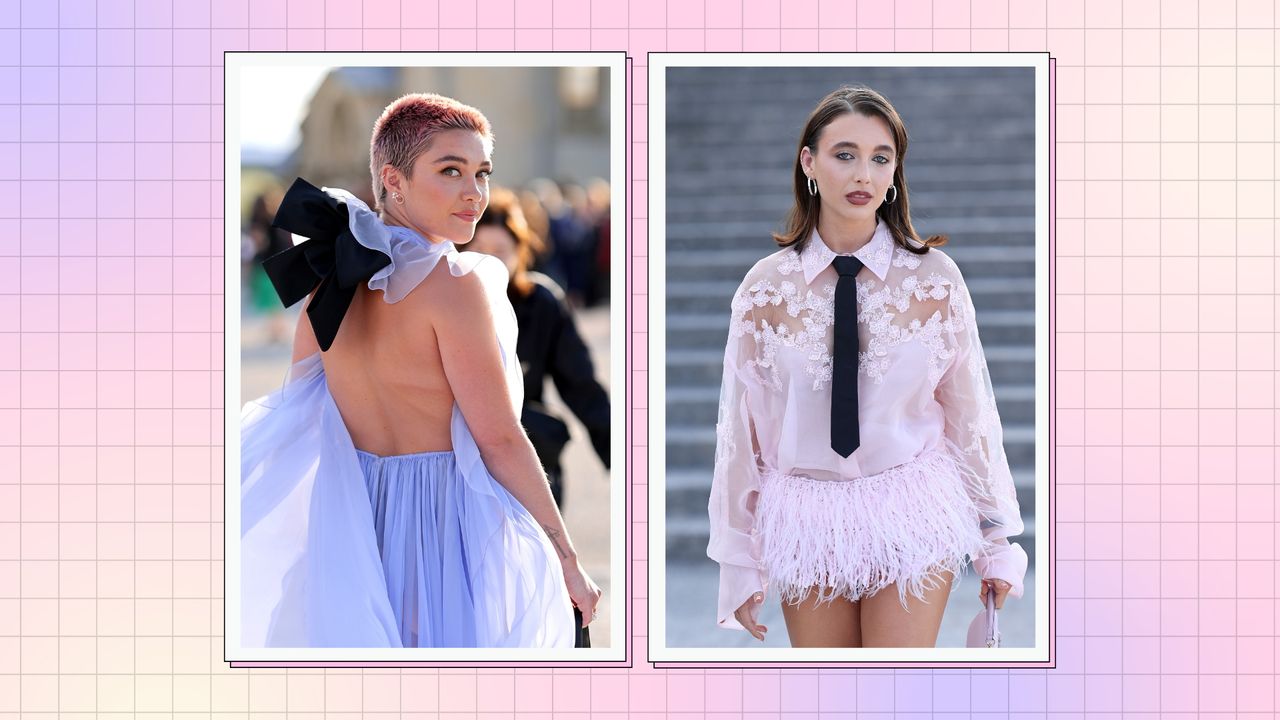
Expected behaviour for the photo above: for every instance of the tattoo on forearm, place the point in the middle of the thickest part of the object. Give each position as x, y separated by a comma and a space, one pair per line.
554, 535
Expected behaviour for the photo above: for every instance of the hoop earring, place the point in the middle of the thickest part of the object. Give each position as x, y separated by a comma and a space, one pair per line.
895, 194
813, 186
399, 199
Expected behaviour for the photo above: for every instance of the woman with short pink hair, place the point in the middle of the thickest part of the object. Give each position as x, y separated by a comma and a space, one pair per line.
390, 496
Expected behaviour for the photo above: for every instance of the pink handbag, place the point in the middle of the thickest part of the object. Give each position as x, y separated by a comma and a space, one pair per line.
984, 631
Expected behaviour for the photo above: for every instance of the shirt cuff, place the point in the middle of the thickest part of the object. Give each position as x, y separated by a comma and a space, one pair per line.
1004, 562
737, 585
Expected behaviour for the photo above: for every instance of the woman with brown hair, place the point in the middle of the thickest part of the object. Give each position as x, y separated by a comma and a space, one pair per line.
859, 455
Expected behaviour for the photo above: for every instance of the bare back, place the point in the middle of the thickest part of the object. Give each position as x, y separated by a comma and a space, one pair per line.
386, 375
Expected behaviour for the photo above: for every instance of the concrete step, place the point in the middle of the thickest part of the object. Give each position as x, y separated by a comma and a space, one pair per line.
757, 235
1008, 365
709, 330
739, 106
732, 264
733, 234
771, 175
698, 406
773, 148
988, 293
784, 79
679, 396
694, 446
770, 204
698, 480
995, 116
785, 104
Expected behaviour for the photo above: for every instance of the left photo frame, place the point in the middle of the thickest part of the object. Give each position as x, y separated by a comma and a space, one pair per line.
424, 318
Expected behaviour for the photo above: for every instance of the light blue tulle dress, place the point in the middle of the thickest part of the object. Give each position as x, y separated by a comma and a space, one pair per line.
343, 548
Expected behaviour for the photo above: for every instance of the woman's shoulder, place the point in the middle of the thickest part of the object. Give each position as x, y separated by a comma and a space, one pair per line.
445, 290
932, 264
772, 267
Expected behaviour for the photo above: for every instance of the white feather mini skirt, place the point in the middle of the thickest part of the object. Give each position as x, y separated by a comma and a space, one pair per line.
853, 538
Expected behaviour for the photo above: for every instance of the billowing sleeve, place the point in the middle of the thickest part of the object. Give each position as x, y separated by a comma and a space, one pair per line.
735, 482
975, 438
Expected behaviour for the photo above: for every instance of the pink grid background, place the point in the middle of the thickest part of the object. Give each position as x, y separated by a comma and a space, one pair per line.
111, 376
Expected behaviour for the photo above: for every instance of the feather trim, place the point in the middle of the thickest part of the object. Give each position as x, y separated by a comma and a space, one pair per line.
854, 538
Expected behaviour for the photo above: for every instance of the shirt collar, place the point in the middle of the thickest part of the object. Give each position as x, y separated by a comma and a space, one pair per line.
876, 254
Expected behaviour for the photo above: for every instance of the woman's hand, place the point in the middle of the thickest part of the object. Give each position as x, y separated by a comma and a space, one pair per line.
584, 593
473, 367
1001, 589
748, 613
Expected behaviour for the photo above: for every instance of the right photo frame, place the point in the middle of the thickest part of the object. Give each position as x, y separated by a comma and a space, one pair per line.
849, 359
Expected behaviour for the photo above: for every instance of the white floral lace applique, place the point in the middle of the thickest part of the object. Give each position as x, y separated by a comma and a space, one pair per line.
985, 423
815, 311
905, 258
763, 367
790, 263
874, 310
740, 324
878, 309
726, 444
880, 253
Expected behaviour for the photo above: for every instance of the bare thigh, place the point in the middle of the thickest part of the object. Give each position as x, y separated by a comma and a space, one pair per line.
885, 623
833, 624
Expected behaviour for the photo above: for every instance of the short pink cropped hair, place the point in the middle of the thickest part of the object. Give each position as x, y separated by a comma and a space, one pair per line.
405, 128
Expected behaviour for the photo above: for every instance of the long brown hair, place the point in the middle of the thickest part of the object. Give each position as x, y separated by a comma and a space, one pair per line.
504, 212
803, 216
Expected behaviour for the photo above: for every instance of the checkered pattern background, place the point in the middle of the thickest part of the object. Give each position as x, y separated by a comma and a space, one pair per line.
111, 324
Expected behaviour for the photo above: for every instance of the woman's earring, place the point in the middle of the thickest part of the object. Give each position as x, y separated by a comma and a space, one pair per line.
895, 194
813, 186
398, 198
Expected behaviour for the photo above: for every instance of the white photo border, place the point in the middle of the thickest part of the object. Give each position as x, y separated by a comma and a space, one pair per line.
659, 63
618, 650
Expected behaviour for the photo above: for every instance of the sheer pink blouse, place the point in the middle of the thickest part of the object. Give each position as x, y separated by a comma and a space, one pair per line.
923, 383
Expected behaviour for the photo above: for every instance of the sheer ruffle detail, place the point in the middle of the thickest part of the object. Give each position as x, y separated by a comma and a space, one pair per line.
310, 570
412, 256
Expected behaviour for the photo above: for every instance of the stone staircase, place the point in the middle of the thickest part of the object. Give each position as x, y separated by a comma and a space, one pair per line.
730, 144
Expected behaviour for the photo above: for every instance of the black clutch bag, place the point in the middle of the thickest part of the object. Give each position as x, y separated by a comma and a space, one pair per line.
581, 635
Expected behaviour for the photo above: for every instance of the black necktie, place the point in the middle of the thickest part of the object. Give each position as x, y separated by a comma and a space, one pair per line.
844, 375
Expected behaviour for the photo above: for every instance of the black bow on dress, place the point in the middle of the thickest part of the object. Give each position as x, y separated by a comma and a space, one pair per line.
331, 261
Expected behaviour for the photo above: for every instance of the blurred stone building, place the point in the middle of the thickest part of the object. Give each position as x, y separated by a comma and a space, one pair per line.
547, 122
